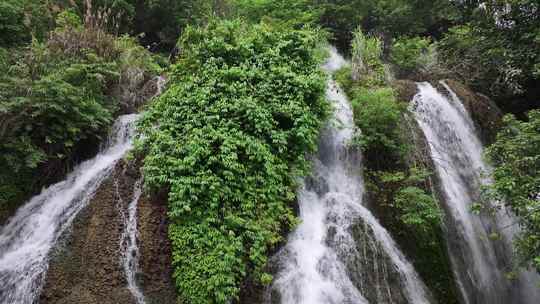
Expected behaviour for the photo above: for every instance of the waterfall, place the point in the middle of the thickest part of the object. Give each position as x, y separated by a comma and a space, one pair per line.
314, 265
128, 244
480, 262
28, 237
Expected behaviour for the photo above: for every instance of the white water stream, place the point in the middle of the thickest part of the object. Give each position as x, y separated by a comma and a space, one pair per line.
480, 263
128, 241
129, 246
330, 203
28, 237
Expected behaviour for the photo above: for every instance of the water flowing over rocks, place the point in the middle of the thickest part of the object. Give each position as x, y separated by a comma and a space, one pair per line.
480, 263
483, 111
340, 253
87, 267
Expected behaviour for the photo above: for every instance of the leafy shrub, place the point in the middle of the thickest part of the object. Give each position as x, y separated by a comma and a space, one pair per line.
377, 114
416, 209
343, 77
11, 25
20, 20
288, 11
227, 139
68, 19
410, 54
516, 157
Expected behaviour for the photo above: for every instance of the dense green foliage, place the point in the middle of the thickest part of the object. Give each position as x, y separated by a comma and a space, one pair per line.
495, 49
157, 23
377, 113
11, 12
227, 139
19, 19
492, 47
283, 11
56, 97
516, 156
387, 18
410, 54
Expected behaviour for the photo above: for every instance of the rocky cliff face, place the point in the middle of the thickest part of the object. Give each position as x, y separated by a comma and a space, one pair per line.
371, 270
86, 266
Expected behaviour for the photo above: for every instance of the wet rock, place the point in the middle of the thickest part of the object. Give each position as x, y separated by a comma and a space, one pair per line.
86, 266
406, 89
371, 270
155, 251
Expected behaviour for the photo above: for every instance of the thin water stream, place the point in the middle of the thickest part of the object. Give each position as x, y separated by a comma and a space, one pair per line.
129, 246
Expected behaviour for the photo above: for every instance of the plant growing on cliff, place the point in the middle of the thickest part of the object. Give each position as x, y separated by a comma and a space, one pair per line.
516, 157
377, 114
227, 140
417, 209
366, 59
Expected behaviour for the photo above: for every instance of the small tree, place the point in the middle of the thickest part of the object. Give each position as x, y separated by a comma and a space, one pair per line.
516, 157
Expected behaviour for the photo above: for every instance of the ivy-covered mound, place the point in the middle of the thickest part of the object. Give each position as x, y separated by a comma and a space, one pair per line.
227, 140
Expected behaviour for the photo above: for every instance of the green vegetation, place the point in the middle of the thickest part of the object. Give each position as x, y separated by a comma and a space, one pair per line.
20, 19
56, 100
227, 139
296, 12
410, 54
494, 49
386, 18
516, 156
377, 113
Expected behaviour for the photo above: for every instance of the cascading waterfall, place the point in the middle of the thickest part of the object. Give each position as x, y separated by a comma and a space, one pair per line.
314, 267
28, 237
128, 244
480, 263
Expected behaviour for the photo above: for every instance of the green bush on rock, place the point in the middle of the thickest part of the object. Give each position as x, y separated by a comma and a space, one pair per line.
227, 139
411, 54
516, 156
